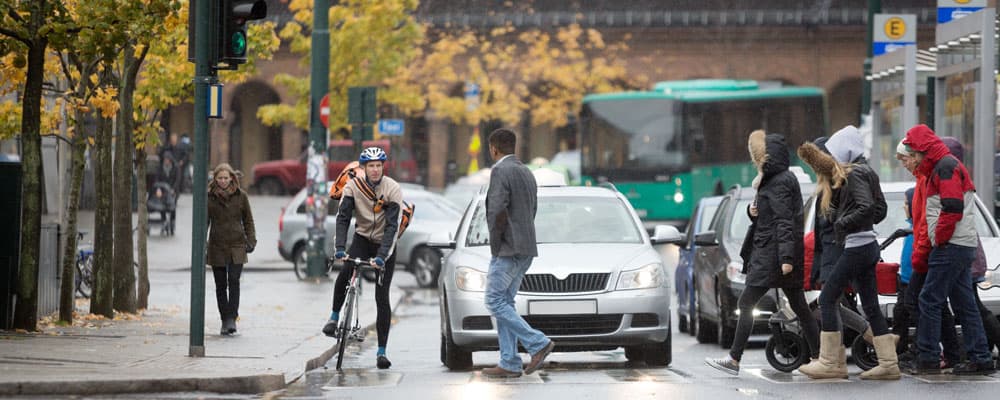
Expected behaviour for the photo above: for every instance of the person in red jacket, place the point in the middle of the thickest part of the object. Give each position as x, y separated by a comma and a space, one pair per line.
948, 198
918, 260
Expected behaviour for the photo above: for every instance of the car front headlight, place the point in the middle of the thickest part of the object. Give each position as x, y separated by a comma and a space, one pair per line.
470, 280
734, 271
649, 276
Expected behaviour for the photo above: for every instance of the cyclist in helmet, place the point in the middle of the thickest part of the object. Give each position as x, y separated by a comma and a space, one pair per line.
376, 209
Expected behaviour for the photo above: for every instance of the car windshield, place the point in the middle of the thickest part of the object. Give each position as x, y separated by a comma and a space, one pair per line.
741, 222
565, 219
434, 208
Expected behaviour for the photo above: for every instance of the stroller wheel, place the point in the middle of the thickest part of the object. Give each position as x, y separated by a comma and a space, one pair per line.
786, 352
863, 354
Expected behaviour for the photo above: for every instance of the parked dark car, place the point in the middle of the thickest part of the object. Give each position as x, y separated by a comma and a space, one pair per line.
700, 221
718, 278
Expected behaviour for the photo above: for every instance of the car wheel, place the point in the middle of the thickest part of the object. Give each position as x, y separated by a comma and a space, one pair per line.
727, 330
300, 262
453, 357
634, 354
270, 187
426, 266
659, 354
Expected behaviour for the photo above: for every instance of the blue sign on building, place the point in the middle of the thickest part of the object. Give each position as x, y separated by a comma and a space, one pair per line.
390, 127
949, 10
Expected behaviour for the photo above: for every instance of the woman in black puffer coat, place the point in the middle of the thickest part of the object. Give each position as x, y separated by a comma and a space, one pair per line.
773, 249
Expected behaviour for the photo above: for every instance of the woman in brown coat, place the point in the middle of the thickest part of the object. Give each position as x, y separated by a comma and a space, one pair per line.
232, 236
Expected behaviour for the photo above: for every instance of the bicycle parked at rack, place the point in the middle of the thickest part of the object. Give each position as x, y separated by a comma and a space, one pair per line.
349, 327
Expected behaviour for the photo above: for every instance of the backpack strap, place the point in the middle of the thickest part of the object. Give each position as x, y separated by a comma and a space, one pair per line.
363, 187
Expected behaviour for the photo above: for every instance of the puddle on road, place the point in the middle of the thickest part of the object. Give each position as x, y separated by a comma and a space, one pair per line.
319, 382
773, 376
661, 375
949, 378
478, 377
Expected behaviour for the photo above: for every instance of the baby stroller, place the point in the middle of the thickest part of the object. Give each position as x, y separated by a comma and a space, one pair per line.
162, 200
787, 350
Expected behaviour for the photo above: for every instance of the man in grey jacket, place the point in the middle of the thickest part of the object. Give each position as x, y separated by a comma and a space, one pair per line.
511, 203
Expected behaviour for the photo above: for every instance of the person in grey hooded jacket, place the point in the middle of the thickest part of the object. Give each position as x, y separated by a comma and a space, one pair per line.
852, 200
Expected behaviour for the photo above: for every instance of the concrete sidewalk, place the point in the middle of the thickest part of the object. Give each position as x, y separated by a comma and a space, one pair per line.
279, 339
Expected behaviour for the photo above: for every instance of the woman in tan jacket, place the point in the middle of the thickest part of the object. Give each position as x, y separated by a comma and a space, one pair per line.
232, 236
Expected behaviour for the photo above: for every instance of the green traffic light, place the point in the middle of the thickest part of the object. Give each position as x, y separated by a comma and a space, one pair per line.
239, 43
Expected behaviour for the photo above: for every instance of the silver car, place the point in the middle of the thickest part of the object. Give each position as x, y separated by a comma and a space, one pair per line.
597, 283
432, 213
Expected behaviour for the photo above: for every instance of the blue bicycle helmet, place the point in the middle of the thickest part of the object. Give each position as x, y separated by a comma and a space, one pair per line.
372, 154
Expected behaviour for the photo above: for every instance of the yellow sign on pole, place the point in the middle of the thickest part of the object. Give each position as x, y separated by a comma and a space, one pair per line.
895, 28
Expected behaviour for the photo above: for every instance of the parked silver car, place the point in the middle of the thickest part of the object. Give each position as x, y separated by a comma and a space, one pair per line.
432, 213
597, 283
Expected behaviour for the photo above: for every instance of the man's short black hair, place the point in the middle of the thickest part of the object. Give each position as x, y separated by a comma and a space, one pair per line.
504, 140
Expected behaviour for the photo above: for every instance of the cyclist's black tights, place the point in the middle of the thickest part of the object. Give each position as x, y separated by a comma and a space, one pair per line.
361, 247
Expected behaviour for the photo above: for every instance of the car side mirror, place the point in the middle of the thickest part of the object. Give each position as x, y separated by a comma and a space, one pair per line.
441, 240
706, 238
666, 234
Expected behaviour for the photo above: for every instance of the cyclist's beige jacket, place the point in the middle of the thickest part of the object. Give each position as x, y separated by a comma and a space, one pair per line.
367, 222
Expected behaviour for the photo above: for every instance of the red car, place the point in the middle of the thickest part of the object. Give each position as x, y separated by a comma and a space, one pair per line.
289, 176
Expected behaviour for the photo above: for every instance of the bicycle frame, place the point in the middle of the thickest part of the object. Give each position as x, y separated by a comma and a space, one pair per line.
350, 324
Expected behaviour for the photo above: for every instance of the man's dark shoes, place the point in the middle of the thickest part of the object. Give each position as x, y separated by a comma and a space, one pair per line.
924, 368
330, 329
497, 372
974, 368
538, 358
383, 362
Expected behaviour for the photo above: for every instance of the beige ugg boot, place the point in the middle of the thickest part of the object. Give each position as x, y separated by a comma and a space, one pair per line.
869, 337
832, 362
888, 364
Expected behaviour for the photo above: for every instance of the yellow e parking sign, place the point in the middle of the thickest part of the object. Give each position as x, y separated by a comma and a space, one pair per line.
893, 31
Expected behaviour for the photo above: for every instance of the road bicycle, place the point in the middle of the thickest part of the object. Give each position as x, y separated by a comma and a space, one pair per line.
349, 327
84, 266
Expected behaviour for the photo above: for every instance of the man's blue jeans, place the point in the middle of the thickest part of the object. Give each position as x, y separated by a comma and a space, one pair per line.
502, 282
948, 278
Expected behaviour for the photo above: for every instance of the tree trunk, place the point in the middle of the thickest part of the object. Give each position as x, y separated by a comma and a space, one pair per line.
68, 284
102, 297
26, 311
124, 160
142, 300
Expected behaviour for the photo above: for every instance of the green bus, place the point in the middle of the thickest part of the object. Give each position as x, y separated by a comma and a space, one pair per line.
668, 147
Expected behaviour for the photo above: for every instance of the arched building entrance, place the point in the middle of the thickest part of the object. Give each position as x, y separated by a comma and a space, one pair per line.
250, 141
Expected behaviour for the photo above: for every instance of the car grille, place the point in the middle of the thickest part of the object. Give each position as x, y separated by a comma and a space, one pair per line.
582, 324
548, 283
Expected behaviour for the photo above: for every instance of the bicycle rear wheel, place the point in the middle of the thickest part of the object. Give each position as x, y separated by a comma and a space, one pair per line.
345, 325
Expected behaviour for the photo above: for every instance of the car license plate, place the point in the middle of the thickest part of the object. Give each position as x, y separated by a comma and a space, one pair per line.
559, 307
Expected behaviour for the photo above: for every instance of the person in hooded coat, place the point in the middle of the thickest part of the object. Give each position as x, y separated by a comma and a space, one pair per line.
852, 200
946, 194
774, 256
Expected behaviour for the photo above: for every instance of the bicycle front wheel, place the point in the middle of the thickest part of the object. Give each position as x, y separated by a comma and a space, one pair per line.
345, 325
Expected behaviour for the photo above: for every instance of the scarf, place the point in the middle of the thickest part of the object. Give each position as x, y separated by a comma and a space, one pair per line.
224, 193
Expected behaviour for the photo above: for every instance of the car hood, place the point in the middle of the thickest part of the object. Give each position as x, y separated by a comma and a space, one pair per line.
564, 258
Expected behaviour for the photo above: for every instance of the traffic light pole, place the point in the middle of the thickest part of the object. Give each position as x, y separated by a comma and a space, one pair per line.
204, 76
319, 86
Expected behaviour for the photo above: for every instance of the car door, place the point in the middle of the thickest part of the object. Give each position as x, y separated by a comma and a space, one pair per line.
708, 261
